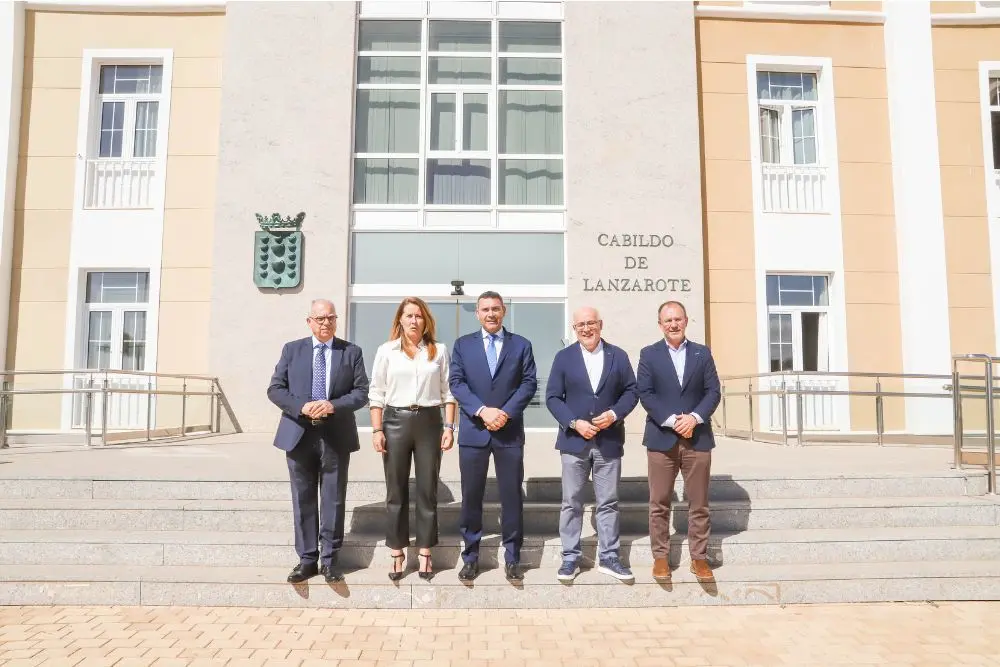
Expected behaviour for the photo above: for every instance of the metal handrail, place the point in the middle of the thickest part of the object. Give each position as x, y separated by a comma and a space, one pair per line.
794, 390
111, 371
987, 361
217, 400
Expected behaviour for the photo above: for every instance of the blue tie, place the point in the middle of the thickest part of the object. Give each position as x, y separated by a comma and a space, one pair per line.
319, 374
491, 354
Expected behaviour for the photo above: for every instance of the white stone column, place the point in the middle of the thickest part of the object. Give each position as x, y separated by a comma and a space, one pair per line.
11, 77
920, 235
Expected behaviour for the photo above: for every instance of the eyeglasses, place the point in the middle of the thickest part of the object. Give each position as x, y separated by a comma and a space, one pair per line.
579, 326
323, 319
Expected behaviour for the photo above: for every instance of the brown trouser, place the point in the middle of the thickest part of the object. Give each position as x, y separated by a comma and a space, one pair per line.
696, 469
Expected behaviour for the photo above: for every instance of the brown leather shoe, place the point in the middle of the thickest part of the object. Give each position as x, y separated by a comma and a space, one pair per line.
701, 570
661, 571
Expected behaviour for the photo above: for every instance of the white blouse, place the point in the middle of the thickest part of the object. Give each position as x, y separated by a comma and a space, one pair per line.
399, 381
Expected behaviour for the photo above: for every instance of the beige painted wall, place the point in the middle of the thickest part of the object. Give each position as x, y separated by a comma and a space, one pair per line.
54, 44
871, 280
957, 52
953, 7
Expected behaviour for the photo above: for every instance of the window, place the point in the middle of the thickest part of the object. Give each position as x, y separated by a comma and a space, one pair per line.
116, 305
459, 115
797, 309
121, 164
995, 117
787, 107
541, 322
129, 97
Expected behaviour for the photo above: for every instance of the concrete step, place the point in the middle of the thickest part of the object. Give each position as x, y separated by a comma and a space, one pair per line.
370, 588
274, 549
542, 489
539, 518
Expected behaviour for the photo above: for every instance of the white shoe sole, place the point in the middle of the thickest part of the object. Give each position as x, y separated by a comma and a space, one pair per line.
568, 577
612, 573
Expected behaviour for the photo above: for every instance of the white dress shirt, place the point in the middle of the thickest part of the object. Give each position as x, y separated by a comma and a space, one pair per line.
399, 381
594, 361
327, 352
498, 343
679, 357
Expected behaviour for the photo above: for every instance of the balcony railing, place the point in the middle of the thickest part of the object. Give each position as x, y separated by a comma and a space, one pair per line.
798, 188
118, 183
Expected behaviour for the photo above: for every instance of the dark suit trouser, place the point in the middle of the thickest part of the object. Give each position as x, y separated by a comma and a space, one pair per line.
474, 463
696, 468
415, 435
319, 523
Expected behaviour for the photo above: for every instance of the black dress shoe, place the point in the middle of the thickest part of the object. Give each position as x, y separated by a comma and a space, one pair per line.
331, 574
513, 572
469, 571
302, 572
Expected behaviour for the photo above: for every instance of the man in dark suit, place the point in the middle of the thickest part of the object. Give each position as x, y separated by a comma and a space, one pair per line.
318, 383
493, 377
679, 389
591, 389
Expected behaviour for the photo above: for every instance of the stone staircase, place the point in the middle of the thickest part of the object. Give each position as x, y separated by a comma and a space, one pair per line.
836, 538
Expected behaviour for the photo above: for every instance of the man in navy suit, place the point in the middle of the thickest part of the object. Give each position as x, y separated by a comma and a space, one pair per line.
493, 377
591, 389
679, 389
318, 383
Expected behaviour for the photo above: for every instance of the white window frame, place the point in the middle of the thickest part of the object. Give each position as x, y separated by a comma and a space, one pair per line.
500, 216
785, 109
796, 314
130, 101
117, 311
789, 5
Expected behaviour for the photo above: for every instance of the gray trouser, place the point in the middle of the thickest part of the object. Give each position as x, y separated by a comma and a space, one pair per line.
607, 473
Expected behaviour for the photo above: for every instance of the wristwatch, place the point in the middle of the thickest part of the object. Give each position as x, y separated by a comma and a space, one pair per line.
450, 427
572, 424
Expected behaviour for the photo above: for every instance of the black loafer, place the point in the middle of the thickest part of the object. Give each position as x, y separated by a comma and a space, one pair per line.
469, 571
513, 572
331, 574
302, 572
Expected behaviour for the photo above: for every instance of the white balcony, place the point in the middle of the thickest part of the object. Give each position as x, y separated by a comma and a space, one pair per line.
798, 188
116, 183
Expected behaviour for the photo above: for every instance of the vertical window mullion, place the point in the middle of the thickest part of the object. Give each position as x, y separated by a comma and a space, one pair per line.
785, 138
425, 116
128, 130
797, 340
460, 121
493, 119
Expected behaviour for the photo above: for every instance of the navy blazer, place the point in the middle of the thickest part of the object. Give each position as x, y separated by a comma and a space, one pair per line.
662, 396
291, 388
510, 390
569, 396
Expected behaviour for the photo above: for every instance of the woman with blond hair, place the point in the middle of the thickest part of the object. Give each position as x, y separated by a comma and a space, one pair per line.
409, 386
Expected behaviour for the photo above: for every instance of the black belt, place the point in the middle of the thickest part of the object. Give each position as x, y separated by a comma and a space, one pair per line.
413, 408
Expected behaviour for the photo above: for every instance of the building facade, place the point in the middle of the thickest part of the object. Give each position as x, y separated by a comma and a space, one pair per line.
816, 181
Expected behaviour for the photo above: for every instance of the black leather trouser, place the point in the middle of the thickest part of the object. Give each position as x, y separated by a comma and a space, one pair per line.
415, 434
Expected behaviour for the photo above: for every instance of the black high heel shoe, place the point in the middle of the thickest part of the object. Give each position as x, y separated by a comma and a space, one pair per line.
429, 572
396, 575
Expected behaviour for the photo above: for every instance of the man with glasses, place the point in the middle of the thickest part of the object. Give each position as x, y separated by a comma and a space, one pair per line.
591, 389
318, 383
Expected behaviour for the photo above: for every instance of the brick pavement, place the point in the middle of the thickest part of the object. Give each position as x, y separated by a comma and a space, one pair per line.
905, 634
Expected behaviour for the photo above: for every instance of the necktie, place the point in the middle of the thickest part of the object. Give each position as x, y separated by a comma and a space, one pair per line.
319, 374
491, 354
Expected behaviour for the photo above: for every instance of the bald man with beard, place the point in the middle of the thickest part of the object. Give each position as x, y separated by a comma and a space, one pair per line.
590, 391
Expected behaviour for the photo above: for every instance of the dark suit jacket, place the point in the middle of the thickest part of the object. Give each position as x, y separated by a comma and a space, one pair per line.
661, 395
568, 396
511, 389
291, 388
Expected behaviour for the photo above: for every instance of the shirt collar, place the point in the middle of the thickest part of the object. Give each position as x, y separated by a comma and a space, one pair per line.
680, 348
597, 350
327, 344
486, 334
397, 344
